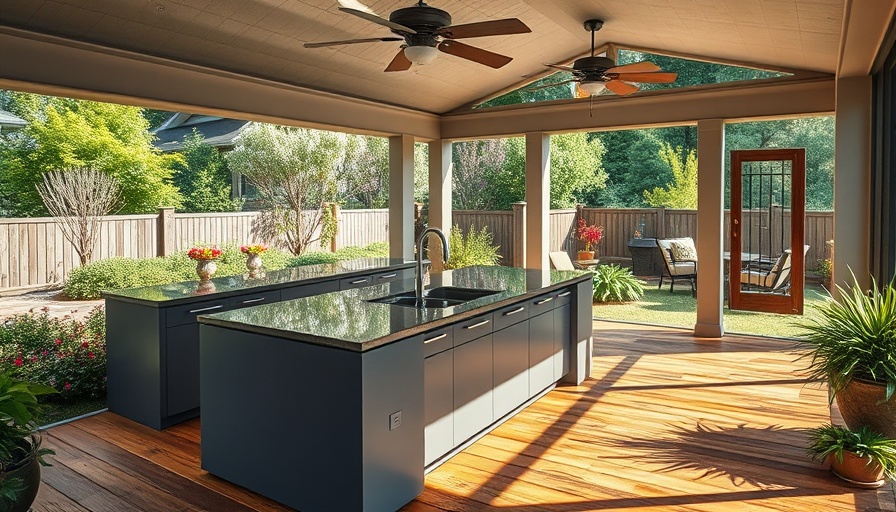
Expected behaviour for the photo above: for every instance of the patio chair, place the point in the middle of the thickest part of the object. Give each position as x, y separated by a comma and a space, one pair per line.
680, 258
560, 260
774, 279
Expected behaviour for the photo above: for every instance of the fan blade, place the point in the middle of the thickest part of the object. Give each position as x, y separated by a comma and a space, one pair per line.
564, 68
621, 88
485, 28
581, 93
540, 87
399, 63
648, 78
351, 41
479, 55
376, 19
637, 67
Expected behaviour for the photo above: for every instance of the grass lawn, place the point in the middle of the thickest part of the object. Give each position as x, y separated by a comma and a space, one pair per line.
679, 309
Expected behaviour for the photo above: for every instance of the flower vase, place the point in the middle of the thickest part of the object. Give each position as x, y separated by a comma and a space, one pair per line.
205, 269
253, 263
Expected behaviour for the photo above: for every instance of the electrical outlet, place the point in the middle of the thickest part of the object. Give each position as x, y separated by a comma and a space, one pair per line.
394, 420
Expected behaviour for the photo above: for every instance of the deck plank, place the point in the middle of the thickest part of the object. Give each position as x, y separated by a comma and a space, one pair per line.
668, 423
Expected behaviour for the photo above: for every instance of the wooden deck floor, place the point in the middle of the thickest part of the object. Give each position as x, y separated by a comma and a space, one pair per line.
669, 423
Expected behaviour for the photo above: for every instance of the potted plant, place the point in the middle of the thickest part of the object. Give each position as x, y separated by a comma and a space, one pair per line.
205, 261
862, 457
21, 455
590, 235
853, 342
253, 258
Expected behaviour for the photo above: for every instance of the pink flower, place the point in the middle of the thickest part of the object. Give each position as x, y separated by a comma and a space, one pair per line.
33, 359
58, 341
18, 361
67, 386
44, 353
90, 355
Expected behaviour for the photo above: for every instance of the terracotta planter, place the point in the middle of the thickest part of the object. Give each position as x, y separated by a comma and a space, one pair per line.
585, 255
29, 474
861, 403
858, 471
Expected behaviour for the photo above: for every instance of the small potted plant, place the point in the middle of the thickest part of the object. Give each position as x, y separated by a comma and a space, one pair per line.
21, 455
253, 257
590, 235
205, 257
862, 457
852, 341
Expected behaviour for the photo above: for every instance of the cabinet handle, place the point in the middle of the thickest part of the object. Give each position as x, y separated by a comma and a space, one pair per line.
515, 311
200, 310
435, 338
480, 324
250, 301
544, 301
564, 294
387, 276
359, 281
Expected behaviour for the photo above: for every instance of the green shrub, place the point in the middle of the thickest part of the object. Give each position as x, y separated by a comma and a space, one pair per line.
374, 250
474, 249
613, 283
313, 258
64, 353
834, 440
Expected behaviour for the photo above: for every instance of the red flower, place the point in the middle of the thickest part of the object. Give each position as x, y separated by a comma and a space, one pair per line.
33, 359
205, 253
591, 235
67, 386
85, 345
44, 353
58, 341
18, 361
90, 355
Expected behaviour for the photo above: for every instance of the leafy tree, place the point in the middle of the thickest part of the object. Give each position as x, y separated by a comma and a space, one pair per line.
295, 170
366, 173
476, 163
155, 118
64, 133
203, 177
632, 165
682, 192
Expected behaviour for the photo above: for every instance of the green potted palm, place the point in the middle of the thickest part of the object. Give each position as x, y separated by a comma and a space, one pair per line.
853, 347
21, 455
862, 457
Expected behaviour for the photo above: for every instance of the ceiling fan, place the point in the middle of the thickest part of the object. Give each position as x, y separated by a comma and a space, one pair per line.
427, 30
594, 74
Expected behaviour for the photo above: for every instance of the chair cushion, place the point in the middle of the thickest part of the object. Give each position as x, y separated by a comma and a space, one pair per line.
683, 250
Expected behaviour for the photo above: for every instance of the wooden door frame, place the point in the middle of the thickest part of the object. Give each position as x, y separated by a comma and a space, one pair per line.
772, 303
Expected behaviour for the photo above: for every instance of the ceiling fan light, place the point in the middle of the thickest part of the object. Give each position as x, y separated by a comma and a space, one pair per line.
421, 55
593, 88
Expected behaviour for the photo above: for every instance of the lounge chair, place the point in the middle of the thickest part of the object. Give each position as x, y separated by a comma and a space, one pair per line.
773, 279
680, 258
560, 260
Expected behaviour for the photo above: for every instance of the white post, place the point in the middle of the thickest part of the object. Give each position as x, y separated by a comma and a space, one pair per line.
440, 176
401, 197
710, 227
538, 196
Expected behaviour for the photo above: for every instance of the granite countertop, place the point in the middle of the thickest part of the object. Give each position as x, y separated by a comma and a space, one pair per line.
346, 320
186, 292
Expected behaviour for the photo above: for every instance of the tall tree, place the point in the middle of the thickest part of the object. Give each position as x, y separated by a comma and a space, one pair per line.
682, 192
476, 163
295, 170
64, 133
203, 177
632, 164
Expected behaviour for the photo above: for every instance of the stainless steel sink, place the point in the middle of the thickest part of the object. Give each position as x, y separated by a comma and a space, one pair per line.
441, 297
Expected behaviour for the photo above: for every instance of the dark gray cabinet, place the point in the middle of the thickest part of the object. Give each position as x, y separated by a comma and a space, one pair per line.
511, 368
562, 340
438, 405
541, 352
181, 361
472, 387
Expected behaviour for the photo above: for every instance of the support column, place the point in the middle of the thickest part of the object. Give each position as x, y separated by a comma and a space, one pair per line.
538, 195
440, 187
519, 234
710, 227
165, 238
852, 181
401, 197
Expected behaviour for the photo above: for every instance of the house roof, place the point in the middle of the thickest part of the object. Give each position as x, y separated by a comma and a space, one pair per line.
10, 121
264, 38
217, 131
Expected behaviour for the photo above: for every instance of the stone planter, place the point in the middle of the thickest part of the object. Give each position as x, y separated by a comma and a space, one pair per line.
861, 403
205, 269
254, 264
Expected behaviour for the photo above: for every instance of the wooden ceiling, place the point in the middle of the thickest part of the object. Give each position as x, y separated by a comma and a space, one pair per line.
264, 38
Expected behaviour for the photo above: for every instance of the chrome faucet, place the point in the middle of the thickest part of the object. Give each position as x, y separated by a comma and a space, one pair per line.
445, 255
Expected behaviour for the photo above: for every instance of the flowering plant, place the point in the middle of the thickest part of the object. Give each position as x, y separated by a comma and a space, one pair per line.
205, 253
591, 235
253, 248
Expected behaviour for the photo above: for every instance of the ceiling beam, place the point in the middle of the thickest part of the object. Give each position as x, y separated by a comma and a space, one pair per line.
865, 24
60, 67
655, 108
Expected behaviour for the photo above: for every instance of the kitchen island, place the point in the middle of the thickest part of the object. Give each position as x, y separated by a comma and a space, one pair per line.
152, 336
334, 402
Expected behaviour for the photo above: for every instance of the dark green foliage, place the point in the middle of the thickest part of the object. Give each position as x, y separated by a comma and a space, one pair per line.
476, 248
63, 353
834, 440
155, 118
613, 283
374, 250
855, 337
203, 178
313, 258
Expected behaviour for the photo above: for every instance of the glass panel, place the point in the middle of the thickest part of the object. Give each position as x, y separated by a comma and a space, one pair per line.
766, 227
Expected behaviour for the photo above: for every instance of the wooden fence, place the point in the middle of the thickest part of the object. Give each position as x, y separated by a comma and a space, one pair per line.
33, 251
